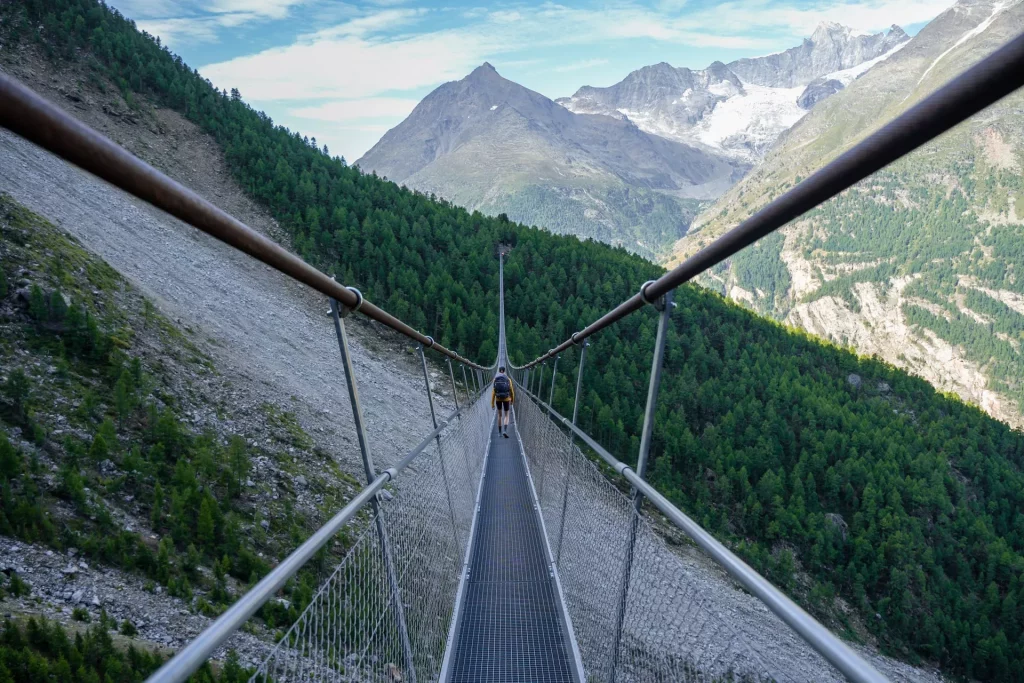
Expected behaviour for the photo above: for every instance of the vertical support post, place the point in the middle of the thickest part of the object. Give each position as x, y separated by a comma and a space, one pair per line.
540, 382
540, 398
554, 374
440, 454
568, 452
526, 380
455, 390
371, 474
665, 306
469, 392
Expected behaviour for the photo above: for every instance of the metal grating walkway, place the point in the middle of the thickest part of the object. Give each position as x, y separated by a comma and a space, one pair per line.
511, 628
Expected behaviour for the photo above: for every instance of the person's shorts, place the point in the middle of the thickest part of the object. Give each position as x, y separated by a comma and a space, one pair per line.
503, 405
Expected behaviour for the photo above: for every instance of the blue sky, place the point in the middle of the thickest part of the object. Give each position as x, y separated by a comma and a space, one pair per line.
346, 72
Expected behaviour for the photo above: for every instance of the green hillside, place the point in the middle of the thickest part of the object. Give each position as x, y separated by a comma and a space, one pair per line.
812, 462
938, 236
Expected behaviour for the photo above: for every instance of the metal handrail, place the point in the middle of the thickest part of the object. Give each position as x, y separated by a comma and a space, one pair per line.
36, 119
983, 84
834, 650
189, 659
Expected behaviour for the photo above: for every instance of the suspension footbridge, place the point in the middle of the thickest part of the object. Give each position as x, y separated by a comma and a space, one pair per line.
537, 558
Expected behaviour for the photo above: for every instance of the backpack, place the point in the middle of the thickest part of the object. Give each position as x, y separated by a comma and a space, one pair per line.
502, 388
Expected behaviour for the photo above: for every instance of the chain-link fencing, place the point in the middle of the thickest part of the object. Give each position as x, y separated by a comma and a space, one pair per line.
677, 625
355, 628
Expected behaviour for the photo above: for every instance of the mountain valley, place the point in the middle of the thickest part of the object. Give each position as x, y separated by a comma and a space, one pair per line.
887, 509
918, 264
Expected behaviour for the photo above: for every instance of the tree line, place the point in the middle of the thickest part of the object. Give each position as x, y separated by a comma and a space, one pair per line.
904, 502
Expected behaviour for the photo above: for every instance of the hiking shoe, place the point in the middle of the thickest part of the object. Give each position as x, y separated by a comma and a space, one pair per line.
505, 435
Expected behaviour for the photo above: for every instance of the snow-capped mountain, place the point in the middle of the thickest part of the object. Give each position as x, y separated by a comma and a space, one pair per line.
854, 273
487, 143
740, 109
832, 47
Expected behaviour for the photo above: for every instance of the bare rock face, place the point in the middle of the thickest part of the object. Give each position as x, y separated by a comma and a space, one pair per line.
659, 91
739, 109
489, 144
817, 90
832, 47
947, 317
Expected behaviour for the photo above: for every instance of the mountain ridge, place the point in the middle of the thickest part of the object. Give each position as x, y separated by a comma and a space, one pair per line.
932, 296
738, 109
487, 143
887, 508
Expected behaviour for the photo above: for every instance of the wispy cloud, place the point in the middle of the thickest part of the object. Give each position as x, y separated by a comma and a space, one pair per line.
399, 49
355, 110
271, 9
200, 21
580, 65
376, 53
182, 30
377, 22
760, 16
360, 67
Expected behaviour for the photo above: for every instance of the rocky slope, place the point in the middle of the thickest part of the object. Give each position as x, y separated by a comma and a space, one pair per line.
487, 143
739, 109
232, 347
918, 264
269, 333
235, 315
832, 47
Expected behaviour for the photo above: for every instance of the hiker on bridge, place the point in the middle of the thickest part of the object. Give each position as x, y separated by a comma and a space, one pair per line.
502, 395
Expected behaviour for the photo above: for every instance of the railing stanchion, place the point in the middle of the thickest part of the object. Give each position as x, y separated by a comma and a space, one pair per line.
465, 382
540, 382
554, 374
338, 313
568, 452
664, 304
543, 461
455, 390
440, 454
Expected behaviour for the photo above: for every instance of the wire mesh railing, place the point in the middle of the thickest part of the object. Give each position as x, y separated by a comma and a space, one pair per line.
668, 634
407, 549
633, 630
642, 611
351, 631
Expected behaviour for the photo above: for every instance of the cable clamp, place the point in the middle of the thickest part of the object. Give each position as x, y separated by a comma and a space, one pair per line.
643, 292
572, 338
345, 311
430, 343
359, 298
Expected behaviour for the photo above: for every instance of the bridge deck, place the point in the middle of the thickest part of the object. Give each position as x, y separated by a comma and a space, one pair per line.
511, 628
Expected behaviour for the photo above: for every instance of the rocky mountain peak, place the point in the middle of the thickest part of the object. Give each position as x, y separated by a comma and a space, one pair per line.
484, 73
830, 31
897, 34
832, 47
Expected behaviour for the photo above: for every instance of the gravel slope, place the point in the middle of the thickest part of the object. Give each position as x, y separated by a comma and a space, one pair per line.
268, 334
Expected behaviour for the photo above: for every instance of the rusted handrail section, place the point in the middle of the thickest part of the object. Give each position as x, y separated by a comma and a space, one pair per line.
43, 123
983, 84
